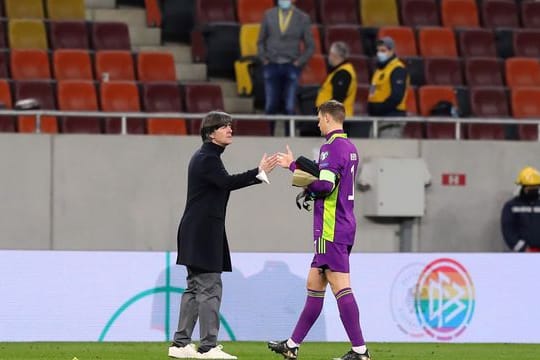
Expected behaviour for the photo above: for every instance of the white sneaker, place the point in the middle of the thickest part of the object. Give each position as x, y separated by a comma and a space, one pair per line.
216, 353
187, 352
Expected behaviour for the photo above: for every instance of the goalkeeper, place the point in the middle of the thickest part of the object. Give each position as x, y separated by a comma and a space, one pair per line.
334, 227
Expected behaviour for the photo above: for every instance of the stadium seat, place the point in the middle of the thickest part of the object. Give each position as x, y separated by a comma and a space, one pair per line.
360, 103
252, 127
413, 130
437, 42
314, 73
66, 9
530, 14
7, 123
443, 71
27, 34
527, 43
250, 11
525, 105
68, 35
202, 98
156, 66
121, 96
24, 9
477, 42
419, 13
177, 19
28, 64
403, 37
459, 13
522, 72
483, 72
415, 68
338, 12
349, 34
110, 36
117, 64
310, 8
208, 11
71, 64
429, 96
163, 97
361, 66
249, 34
43, 92
75, 95
4, 63
3, 35
499, 14
487, 102
377, 13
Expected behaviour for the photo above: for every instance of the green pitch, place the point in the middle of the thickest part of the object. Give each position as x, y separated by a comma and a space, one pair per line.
258, 351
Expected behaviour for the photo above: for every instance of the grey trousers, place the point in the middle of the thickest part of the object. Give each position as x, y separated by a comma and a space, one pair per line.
201, 300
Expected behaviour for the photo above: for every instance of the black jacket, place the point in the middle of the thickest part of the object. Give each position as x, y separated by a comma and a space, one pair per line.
520, 220
202, 241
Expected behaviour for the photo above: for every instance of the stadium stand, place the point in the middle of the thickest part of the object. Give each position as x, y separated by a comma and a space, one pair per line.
30, 64
43, 92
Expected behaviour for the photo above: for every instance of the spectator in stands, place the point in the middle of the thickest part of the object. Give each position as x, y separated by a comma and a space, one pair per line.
202, 242
283, 29
520, 219
387, 93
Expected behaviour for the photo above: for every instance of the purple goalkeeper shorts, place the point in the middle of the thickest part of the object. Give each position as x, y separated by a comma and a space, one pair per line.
330, 255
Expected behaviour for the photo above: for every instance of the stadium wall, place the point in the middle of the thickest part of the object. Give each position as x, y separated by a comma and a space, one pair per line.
78, 192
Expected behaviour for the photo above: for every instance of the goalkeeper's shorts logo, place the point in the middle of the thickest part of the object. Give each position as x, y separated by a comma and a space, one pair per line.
436, 300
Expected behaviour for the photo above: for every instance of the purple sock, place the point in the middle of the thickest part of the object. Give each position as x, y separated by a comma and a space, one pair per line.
312, 310
350, 317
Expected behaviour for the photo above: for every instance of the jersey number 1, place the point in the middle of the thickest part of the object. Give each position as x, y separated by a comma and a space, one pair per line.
351, 197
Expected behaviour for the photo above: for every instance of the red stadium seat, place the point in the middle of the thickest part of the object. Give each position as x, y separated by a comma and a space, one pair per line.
207, 11
252, 128
76, 95
403, 37
43, 92
27, 64
522, 72
499, 14
361, 66
530, 13
443, 71
488, 102
118, 64
419, 13
525, 105
110, 36
7, 123
156, 66
413, 130
429, 96
527, 43
349, 34
71, 64
360, 104
250, 11
314, 73
437, 42
202, 98
121, 96
68, 35
339, 12
483, 72
310, 8
477, 42
164, 97
459, 13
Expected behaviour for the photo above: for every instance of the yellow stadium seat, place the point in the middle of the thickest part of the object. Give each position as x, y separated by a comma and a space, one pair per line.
27, 34
249, 34
24, 9
378, 13
66, 9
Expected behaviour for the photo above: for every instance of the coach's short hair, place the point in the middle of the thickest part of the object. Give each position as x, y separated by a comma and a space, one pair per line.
213, 121
341, 49
333, 108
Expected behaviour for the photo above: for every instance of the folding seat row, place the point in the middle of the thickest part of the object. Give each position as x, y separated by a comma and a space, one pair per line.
35, 9
485, 102
67, 64
33, 34
118, 96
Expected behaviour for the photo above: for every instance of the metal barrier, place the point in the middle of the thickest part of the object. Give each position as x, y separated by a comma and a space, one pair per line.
262, 117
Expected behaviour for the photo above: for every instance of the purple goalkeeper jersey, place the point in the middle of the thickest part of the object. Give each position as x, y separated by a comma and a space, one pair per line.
333, 217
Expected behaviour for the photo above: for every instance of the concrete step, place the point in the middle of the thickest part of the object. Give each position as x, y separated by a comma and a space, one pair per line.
228, 87
143, 36
191, 72
131, 16
100, 4
181, 53
238, 105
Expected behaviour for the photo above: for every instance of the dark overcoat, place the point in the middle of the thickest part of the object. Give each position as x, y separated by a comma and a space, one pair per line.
202, 240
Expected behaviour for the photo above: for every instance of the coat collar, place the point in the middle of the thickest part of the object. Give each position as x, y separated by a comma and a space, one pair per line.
213, 148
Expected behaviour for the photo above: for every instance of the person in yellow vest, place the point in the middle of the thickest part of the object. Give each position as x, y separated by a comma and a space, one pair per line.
388, 88
339, 85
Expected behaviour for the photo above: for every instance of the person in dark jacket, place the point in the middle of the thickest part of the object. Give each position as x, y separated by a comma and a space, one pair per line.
520, 219
202, 241
388, 89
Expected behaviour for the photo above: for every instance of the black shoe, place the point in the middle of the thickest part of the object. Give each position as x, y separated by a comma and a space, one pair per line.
352, 355
282, 348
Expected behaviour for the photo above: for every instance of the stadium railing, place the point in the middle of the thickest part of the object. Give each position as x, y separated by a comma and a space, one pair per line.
291, 120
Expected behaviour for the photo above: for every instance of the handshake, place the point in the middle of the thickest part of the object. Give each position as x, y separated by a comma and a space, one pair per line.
305, 172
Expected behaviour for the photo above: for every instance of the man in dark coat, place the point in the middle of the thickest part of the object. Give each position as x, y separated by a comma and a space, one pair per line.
202, 241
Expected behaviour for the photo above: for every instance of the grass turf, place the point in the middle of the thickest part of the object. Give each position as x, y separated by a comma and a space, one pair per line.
258, 351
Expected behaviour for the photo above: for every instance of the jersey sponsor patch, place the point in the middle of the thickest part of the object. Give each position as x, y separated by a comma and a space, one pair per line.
324, 156
354, 157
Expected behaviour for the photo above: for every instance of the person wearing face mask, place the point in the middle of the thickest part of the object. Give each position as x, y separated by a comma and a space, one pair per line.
283, 29
520, 219
388, 89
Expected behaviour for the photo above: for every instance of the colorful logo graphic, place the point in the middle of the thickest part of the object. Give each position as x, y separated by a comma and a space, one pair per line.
444, 299
435, 299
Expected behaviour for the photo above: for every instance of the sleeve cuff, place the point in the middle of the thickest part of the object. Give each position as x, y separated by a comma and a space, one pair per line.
292, 166
263, 177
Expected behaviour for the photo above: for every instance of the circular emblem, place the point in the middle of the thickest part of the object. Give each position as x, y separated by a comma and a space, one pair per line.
402, 300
